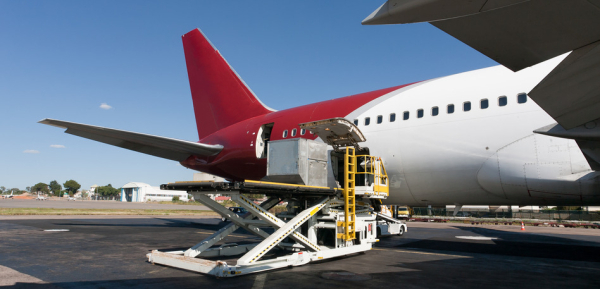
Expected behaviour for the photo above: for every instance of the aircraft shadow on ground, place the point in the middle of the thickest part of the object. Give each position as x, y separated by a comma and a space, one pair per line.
169, 223
514, 244
446, 273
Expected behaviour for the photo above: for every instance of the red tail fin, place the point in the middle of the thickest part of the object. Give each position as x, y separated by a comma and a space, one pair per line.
220, 96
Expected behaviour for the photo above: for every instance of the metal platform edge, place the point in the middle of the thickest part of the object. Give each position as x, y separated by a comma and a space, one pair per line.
250, 187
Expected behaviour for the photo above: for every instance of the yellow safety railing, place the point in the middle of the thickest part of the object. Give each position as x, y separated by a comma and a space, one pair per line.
374, 173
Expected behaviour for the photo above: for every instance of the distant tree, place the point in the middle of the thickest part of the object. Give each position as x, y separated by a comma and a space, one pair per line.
255, 196
55, 187
175, 198
71, 187
40, 188
15, 191
2, 189
569, 208
28, 189
107, 191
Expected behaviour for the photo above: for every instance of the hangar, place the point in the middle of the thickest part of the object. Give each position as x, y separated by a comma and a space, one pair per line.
141, 192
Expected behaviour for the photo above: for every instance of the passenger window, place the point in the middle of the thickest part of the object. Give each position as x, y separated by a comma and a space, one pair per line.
406, 115
285, 133
502, 101
294, 132
419, 113
367, 121
522, 98
467, 106
392, 117
356, 122
302, 131
450, 108
485, 103
379, 119
435, 111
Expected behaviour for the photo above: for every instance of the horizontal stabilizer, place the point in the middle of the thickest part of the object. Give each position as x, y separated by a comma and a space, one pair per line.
163, 147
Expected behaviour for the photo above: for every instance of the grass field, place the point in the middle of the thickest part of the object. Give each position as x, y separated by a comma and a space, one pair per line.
52, 211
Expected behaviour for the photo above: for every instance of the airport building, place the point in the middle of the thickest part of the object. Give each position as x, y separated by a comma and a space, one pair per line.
204, 177
141, 192
92, 191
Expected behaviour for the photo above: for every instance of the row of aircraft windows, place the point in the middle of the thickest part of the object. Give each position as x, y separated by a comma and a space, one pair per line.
483, 104
294, 132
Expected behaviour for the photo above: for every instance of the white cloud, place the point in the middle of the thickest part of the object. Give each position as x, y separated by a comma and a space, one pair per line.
105, 106
57, 146
31, 152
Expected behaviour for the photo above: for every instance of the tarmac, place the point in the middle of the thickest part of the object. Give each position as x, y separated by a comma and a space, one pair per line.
109, 252
57, 203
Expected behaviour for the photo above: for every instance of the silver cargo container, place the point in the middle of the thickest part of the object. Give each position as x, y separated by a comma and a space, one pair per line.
297, 161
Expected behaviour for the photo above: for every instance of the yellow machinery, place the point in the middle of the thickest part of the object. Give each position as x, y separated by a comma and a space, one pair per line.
374, 185
375, 176
349, 195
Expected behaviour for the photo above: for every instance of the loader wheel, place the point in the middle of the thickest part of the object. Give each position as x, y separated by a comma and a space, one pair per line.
401, 233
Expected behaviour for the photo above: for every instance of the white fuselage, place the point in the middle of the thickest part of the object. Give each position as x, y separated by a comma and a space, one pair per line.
479, 157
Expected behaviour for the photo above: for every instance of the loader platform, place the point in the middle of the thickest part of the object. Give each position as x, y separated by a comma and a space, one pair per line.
320, 221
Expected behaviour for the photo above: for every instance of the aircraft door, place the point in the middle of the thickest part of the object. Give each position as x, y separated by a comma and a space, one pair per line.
262, 138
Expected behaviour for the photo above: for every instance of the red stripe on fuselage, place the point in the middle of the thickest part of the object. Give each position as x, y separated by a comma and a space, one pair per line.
238, 159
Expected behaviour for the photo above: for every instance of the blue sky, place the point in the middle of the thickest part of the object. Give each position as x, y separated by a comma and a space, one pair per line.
65, 59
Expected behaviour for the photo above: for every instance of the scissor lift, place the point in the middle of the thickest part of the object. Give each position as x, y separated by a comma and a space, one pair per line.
321, 222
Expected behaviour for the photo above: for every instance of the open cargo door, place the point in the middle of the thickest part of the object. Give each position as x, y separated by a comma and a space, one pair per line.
336, 132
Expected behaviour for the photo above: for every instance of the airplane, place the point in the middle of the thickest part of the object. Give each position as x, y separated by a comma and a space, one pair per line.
525, 133
8, 196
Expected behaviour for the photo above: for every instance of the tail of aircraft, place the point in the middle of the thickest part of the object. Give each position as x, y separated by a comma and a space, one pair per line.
220, 96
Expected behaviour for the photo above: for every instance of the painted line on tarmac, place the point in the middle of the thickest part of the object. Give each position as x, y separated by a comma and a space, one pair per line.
423, 253
477, 238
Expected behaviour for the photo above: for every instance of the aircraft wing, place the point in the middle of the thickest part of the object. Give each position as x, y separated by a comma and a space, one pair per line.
163, 147
519, 34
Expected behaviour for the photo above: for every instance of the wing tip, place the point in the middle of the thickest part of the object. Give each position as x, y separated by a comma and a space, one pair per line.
52, 122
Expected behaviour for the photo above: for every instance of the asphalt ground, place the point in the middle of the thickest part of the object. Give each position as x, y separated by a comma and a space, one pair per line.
64, 204
109, 252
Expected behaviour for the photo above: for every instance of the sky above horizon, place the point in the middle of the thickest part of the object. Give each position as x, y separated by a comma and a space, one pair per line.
120, 64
